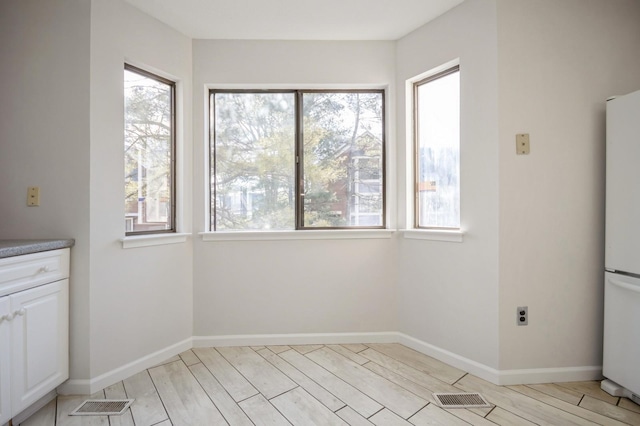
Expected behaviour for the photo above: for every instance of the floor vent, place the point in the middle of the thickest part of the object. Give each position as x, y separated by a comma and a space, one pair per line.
102, 407
461, 400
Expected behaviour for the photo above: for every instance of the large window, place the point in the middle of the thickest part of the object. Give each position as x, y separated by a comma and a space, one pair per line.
437, 150
149, 152
292, 159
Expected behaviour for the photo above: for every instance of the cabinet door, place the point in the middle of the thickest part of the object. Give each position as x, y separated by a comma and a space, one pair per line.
39, 342
5, 370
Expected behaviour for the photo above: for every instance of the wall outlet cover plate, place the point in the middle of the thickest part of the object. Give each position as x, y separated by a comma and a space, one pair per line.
522, 144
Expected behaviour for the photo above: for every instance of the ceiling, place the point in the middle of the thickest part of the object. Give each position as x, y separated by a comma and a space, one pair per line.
295, 19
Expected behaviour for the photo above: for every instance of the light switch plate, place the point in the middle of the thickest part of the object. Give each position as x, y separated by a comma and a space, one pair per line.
33, 196
522, 144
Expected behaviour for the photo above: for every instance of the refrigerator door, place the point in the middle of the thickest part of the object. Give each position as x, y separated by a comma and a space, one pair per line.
622, 241
621, 355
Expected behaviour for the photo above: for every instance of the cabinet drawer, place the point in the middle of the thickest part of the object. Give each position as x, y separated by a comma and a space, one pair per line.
22, 272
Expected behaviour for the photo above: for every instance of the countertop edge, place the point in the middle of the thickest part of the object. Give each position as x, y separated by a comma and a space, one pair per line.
11, 248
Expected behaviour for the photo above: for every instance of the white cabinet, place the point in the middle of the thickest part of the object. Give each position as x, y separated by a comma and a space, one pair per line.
34, 328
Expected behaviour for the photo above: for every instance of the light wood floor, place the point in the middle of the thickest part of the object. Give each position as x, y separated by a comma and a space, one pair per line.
358, 384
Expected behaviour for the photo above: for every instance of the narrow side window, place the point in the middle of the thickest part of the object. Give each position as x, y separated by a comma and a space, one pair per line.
437, 150
149, 152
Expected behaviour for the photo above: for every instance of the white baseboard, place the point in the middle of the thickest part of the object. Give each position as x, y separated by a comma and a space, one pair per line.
550, 375
87, 387
498, 377
293, 339
504, 377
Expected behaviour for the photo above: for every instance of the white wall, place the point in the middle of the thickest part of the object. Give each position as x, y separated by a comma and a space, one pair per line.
44, 137
558, 63
141, 299
448, 292
302, 286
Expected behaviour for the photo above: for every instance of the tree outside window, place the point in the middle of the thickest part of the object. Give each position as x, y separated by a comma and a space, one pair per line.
149, 146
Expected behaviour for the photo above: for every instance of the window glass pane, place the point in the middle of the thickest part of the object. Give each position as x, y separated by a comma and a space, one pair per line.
342, 152
148, 147
438, 152
254, 156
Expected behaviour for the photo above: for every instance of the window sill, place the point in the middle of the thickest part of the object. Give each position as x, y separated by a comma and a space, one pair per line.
333, 234
452, 236
153, 240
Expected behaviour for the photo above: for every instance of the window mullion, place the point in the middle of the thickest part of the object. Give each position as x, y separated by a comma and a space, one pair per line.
213, 187
299, 174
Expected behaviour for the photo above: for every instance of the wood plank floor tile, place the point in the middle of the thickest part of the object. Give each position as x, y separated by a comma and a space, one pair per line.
305, 349
565, 406
147, 409
388, 418
350, 416
422, 379
342, 390
629, 405
608, 410
168, 361
300, 408
420, 362
46, 416
278, 348
506, 418
519, 404
475, 416
317, 391
189, 358
262, 375
348, 354
402, 381
232, 413
355, 347
426, 380
433, 415
559, 392
117, 391
592, 389
238, 387
331, 384
390, 395
186, 402
262, 413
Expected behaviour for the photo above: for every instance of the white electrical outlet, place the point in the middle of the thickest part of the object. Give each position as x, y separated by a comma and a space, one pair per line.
522, 315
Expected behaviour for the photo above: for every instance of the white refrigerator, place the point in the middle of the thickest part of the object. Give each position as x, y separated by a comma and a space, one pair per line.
621, 352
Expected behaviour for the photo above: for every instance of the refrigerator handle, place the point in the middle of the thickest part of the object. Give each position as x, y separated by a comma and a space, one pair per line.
626, 286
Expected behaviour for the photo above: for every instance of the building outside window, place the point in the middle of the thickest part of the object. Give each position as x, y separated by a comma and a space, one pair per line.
149, 152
